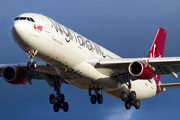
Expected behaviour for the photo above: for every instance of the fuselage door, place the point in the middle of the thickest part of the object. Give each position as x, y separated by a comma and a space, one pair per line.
46, 24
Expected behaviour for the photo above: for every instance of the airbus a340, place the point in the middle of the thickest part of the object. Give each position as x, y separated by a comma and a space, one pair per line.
73, 59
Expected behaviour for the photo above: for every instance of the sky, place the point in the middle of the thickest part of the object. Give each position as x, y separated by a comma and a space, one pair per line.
125, 27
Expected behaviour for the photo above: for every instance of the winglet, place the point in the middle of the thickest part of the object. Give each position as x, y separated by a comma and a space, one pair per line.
157, 48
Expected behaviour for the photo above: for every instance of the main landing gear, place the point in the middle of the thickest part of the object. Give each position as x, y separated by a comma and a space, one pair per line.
58, 101
31, 54
96, 97
130, 99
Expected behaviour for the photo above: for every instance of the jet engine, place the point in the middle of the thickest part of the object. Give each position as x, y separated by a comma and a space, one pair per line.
14, 76
140, 70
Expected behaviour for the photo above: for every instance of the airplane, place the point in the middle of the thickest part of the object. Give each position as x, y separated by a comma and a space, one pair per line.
70, 58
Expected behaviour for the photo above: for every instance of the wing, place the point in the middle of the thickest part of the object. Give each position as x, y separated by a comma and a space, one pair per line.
160, 66
43, 71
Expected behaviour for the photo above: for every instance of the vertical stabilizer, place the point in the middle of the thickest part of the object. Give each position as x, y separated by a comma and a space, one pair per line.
157, 50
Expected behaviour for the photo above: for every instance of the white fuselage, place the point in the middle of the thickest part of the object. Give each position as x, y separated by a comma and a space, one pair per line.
67, 51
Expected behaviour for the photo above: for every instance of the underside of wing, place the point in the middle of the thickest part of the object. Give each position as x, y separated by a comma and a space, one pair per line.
19, 73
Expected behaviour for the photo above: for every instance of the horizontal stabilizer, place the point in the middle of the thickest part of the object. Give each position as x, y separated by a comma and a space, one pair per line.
169, 85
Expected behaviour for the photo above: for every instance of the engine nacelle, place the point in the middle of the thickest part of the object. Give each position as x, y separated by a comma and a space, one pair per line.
14, 76
140, 70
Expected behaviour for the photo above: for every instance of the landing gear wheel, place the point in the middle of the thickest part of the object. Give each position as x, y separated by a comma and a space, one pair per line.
137, 104
123, 96
133, 95
61, 98
99, 98
52, 98
29, 65
93, 99
127, 105
56, 107
34, 65
65, 107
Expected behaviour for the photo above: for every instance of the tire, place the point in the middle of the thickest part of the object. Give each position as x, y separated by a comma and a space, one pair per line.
127, 105
133, 95
137, 104
34, 65
52, 98
61, 98
65, 107
123, 95
99, 99
56, 107
93, 99
29, 65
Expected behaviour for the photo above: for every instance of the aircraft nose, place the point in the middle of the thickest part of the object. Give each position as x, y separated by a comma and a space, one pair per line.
16, 27
18, 32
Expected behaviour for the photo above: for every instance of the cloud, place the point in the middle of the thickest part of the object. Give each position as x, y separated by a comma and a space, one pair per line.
118, 113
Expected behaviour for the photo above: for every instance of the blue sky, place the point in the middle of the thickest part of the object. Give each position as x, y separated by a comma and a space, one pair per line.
127, 28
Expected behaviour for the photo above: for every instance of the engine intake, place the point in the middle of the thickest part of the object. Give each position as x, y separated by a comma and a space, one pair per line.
140, 70
14, 76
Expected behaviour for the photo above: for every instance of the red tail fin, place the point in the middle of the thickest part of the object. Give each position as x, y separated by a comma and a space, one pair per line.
157, 48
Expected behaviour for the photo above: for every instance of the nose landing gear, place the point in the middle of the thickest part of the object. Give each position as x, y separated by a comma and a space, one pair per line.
31, 54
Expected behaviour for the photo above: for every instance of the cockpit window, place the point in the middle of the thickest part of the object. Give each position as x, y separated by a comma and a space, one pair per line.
17, 18
24, 18
32, 20
28, 19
